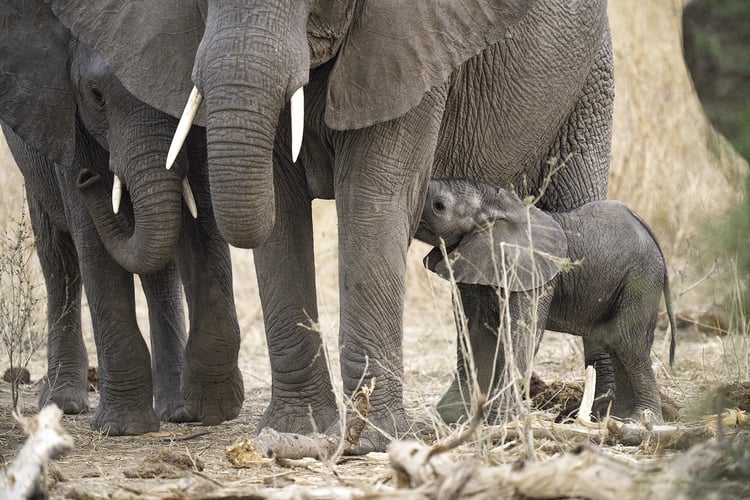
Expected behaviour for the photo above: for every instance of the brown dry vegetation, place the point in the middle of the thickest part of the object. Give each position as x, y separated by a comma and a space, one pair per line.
666, 164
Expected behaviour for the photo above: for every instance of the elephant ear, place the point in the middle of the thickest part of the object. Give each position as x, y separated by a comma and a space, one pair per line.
519, 251
36, 94
395, 51
149, 46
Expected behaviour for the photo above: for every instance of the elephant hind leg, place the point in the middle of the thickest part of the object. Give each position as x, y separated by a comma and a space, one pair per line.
635, 383
66, 382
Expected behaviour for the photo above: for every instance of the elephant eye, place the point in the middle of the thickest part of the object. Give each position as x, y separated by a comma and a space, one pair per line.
98, 97
439, 206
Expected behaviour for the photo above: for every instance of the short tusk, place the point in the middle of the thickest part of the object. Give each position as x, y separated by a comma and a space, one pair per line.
298, 121
187, 194
116, 194
186, 121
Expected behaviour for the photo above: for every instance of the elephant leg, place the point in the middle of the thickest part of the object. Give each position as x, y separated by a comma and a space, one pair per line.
211, 382
302, 398
635, 383
66, 382
488, 333
125, 388
584, 142
380, 179
168, 337
480, 345
631, 337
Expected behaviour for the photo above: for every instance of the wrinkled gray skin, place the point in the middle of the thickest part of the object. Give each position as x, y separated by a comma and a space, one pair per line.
394, 92
70, 124
610, 296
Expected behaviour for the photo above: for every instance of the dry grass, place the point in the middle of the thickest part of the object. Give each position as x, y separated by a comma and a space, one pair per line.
666, 162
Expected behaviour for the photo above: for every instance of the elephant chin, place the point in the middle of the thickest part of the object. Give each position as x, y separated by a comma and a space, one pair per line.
150, 243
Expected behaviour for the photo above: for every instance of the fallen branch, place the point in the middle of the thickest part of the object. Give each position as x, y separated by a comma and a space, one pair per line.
416, 463
47, 440
614, 432
272, 444
675, 437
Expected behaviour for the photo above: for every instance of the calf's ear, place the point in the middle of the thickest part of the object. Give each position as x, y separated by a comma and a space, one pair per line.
518, 252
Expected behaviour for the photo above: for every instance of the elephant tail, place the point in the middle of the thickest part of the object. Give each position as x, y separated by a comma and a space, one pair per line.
670, 315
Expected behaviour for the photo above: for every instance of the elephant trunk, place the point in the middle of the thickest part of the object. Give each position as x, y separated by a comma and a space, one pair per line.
148, 244
251, 60
240, 164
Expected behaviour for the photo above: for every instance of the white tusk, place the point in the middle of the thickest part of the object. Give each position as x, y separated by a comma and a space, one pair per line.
587, 400
116, 194
186, 121
187, 194
298, 121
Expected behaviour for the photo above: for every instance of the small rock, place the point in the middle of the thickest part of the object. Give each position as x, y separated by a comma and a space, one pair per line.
21, 375
93, 379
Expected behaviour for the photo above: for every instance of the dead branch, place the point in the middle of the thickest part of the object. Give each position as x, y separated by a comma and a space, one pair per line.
47, 440
614, 432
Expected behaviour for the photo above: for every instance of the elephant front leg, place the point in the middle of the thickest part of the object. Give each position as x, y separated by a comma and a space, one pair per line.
478, 351
495, 354
125, 388
302, 398
66, 383
380, 182
168, 337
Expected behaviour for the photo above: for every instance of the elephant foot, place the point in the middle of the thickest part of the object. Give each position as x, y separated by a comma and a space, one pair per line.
455, 405
212, 399
647, 415
174, 411
298, 415
71, 397
121, 420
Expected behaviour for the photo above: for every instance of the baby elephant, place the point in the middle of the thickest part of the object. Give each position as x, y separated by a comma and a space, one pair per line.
609, 295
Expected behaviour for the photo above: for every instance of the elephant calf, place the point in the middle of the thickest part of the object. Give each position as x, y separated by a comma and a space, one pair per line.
609, 295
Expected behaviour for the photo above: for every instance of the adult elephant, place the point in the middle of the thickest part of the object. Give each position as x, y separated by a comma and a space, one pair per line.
74, 130
395, 92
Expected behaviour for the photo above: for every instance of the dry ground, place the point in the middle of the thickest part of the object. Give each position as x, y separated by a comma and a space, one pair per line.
665, 164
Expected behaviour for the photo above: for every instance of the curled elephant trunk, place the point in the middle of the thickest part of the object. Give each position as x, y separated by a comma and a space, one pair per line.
148, 244
241, 166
